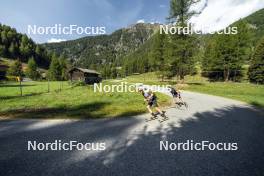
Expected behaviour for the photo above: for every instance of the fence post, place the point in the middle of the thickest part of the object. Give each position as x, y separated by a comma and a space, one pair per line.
48, 86
20, 85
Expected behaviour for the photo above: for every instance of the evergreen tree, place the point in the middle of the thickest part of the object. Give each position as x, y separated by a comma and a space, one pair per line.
25, 46
183, 46
160, 56
256, 69
183, 49
55, 69
11, 48
209, 57
243, 41
106, 72
4, 37
113, 72
2, 50
16, 69
64, 67
31, 70
225, 54
180, 11
16, 45
38, 51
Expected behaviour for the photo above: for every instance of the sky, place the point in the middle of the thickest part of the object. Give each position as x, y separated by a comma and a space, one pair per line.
114, 14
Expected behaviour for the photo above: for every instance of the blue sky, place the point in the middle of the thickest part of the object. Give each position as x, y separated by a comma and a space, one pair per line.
113, 14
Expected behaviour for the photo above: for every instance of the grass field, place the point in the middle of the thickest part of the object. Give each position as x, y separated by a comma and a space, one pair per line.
83, 102
249, 93
70, 102
246, 92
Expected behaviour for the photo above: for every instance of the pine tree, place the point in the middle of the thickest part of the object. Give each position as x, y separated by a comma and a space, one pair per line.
183, 49
180, 11
113, 73
256, 69
160, 56
64, 67
55, 69
2, 50
31, 70
225, 54
16, 69
12, 50
16, 45
4, 39
183, 46
209, 58
106, 72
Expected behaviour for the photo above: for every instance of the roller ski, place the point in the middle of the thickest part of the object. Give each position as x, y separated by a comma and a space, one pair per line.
164, 117
154, 116
180, 104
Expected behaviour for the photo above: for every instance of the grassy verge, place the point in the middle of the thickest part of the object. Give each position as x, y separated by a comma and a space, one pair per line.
249, 93
70, 102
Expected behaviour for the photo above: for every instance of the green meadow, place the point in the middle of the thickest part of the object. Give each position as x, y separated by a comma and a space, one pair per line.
64, 100
67, 101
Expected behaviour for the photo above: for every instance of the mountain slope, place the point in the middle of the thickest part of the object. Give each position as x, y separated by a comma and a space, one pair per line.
131, 47
256, 21
135, 59
96, 50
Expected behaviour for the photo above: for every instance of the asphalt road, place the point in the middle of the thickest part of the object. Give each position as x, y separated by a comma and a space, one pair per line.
133, 146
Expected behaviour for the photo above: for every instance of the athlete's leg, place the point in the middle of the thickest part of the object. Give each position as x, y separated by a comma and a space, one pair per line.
175, 99
149, 109
180, 99
158, 109
156, 105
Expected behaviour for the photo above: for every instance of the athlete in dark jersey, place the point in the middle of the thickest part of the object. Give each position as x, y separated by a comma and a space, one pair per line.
175, 94
151, 98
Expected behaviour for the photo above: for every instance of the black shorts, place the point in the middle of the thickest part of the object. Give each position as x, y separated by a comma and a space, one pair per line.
176, 95
153, 103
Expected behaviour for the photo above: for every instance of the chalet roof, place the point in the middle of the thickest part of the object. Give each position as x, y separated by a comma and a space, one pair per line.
84, 70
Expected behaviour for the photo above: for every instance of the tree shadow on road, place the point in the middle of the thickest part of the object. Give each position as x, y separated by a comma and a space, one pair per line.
257, 104
241, 125
136, 151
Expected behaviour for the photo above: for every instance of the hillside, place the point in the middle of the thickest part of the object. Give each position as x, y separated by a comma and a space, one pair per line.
96, 50
14, 45
256, 20
128, 50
